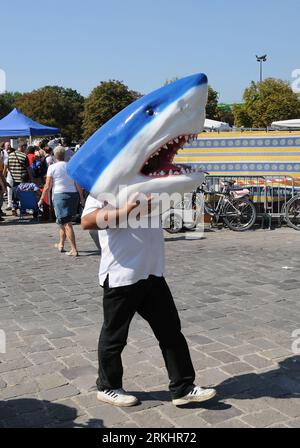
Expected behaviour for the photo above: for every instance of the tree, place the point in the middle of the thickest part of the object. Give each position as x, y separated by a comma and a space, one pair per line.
8, 102
241, 117
267, 101
55, 106
225, 113
212, 104
105, 101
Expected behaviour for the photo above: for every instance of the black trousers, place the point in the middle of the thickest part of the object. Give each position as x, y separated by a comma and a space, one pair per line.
153, 300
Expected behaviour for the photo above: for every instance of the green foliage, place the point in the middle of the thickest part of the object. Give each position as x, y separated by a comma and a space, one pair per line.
241, 117
55, 106
105, 101
225, 114
212, 104
8, 102
267, 101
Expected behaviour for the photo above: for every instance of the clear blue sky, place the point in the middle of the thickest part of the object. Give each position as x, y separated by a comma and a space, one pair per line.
78, 43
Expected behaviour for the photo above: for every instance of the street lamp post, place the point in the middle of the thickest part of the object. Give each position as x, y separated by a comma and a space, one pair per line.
261, 59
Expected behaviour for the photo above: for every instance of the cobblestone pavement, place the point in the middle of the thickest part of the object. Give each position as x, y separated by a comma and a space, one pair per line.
238, 298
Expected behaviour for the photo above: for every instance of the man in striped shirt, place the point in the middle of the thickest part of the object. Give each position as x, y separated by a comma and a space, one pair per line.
18, 165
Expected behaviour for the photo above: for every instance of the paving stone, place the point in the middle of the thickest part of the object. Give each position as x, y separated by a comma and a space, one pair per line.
233, 423
75, 361
237, 367
288, 406
14, 365
41, 358
224, 356
243, 350
211, 377
87, 400
215, 416
295, 423
257, 361
264, 344
263, 419
151, 418
129, 424
248, 403
198, 339
191, 421
51, 381
86, 383
59, 392
108, 415
276, 353
19, 390
279, 425
77, 372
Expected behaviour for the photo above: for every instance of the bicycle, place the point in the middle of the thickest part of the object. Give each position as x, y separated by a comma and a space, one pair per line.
237, 213
292, 212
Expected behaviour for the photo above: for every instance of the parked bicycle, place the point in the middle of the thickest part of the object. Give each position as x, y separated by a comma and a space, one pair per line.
292, 212
233, 208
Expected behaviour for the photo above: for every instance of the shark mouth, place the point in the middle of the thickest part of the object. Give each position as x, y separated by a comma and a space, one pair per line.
160, 163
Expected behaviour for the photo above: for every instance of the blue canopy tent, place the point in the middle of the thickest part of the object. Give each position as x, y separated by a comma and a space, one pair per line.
16, 124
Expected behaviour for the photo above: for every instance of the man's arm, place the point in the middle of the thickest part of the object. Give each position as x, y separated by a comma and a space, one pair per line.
100, 218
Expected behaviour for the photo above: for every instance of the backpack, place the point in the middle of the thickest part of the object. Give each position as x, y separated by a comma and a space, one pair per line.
39, 168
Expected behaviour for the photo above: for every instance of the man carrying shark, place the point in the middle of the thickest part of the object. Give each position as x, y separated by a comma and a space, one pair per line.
130, 155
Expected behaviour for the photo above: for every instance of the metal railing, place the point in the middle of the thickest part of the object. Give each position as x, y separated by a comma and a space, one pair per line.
269, 194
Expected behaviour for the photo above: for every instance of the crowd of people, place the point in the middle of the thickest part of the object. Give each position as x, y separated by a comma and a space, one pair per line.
40, 170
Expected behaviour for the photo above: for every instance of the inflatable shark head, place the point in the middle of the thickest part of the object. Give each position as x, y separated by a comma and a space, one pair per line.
136, 148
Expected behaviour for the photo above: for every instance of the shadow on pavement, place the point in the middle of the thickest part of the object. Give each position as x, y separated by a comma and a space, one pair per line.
283, 383
32, 413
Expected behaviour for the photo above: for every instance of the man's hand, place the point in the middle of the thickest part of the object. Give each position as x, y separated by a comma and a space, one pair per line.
134, 202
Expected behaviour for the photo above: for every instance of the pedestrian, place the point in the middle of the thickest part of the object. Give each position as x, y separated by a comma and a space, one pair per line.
69, 151
65, 196
9, 181
132, 276
39, 169
50, 159
2, 182
31, 154
18, 165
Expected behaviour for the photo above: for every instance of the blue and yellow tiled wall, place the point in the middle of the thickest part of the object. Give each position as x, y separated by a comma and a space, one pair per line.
245, 153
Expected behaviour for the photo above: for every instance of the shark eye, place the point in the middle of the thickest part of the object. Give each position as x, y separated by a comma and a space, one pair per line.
150, 111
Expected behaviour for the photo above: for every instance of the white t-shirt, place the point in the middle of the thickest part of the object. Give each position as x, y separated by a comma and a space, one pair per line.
62, 183
5, 157
128, 255
50, 159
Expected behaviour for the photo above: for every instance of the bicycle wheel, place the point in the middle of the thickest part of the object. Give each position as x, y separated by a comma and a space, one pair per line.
293, 213
173, 223
239, 214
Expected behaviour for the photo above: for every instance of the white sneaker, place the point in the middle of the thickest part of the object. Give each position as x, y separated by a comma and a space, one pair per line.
117, 397
196, 395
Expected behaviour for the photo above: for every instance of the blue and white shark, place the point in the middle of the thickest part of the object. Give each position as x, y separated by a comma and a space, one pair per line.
136, 148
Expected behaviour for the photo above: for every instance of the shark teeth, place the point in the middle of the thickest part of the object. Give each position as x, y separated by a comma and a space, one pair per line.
164, 156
